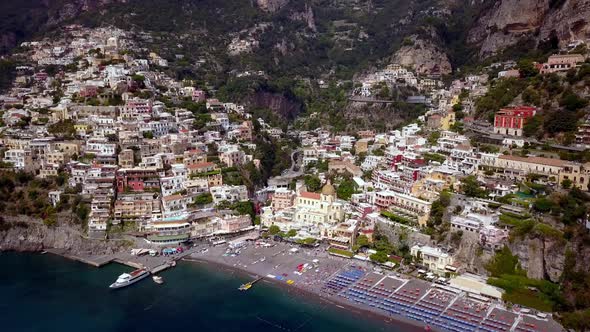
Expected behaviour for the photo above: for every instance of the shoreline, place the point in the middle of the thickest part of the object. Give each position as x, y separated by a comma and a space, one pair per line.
340, 304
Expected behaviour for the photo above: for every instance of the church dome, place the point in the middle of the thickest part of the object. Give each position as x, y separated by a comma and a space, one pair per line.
328, 190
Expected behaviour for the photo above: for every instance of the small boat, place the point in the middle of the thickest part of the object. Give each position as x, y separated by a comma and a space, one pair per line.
245, 287
248, 285
158, 280
43, 252
127, 279
173, 263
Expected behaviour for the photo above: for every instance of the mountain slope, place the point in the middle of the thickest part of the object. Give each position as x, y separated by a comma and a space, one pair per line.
507, 22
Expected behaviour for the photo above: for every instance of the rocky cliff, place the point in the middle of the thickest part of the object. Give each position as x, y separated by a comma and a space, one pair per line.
29, 235
271, 6
422, 56
540, 258
280, 104
506, 22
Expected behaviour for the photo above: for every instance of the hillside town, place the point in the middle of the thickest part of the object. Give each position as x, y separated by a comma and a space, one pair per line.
165, 161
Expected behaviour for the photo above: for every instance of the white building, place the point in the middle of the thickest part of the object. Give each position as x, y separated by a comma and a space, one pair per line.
433, 258
229, 193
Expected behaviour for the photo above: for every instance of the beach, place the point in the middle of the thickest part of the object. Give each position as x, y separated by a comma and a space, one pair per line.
280, 260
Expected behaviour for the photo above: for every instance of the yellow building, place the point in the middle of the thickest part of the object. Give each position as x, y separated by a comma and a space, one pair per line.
579, 174
447, 120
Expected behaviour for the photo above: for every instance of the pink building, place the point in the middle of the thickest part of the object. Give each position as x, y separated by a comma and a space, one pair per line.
510, 121
282, 199
492, 237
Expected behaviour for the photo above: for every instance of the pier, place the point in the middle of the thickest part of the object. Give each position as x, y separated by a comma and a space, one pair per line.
154, 265
249, 285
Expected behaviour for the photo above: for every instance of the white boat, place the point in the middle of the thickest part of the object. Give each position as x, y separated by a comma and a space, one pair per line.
158, 279
127, 279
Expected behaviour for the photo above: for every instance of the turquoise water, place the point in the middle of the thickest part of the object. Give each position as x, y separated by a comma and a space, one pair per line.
50, 293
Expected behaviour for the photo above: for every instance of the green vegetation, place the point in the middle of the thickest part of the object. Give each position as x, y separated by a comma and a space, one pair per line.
64, 129
501, 93
313, 183
435, 157
307, 241
394, 217
379, 257
274, 230
538, 294
23, 194
471, 187
341, 252
438, 209
507, 274
346, 188
202, 199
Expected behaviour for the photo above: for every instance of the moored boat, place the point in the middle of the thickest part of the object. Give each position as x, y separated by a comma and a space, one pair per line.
127, 279
158, 279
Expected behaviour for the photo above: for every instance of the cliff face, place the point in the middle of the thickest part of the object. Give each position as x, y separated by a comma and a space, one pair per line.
424, 57
280, 104
541, 258
271, 5
507, 21
34, 236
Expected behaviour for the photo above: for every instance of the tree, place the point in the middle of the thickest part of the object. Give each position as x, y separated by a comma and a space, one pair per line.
291, 233
571, 101
543, 204
362, 240
533, 125
433, 138
204, 198
504, 262
379, 257
527, 68
566, 183
471, 187
313, 183
345, 189
274, 230
560, 121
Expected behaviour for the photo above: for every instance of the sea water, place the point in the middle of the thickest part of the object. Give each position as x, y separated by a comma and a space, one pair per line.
50, 293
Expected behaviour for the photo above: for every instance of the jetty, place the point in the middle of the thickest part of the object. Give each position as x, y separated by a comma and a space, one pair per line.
153, 264
248, 285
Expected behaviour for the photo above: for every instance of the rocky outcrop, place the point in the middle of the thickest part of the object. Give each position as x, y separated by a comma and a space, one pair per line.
34, 236
540, 258
423, 57
271, 6
285, 107
306, 16
508, 21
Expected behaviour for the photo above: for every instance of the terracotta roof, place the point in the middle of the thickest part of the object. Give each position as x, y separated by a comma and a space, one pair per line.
536, 160
310, 195
172, 198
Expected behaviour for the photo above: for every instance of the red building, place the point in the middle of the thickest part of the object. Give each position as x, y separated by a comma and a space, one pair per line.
510, 121
89, 91
137, 179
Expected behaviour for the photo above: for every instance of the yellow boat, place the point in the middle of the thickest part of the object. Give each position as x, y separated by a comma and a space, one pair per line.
245, 287
248, 285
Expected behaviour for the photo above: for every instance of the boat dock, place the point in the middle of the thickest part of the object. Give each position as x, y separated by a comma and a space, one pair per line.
248, 285
154, 265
